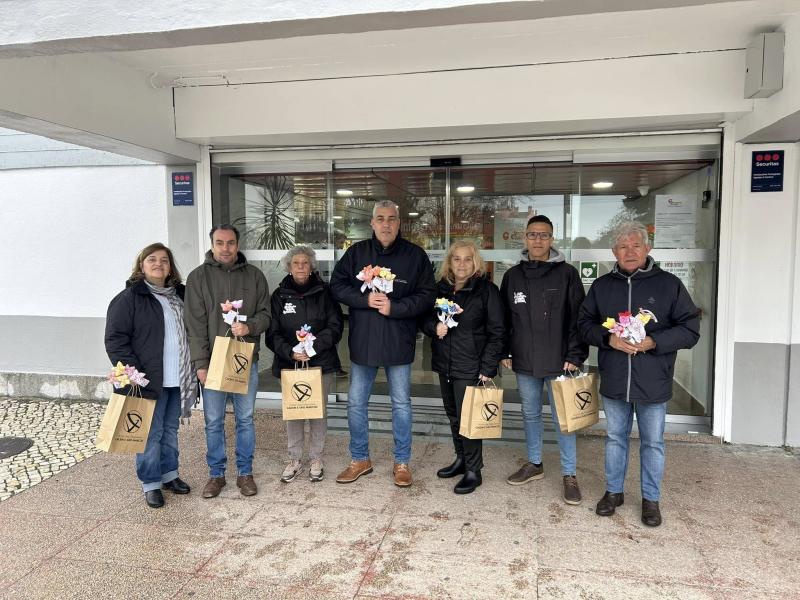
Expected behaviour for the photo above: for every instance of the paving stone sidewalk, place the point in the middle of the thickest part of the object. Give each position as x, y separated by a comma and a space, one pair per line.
731, 529
62, 433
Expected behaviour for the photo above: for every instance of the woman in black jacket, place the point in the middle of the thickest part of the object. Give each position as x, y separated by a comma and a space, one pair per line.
302, 298
145, 329
467, 353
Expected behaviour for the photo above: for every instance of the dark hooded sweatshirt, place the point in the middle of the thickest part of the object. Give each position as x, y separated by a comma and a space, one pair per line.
542, 301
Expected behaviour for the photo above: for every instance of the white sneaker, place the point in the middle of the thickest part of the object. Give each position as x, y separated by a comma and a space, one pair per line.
292, 470
316, 472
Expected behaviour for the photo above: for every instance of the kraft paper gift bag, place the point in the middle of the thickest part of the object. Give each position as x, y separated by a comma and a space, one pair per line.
577, 401
482, 412
126, 424
301, 393
229, 369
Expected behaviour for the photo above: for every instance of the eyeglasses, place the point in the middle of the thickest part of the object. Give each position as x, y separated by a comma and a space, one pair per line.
542, 235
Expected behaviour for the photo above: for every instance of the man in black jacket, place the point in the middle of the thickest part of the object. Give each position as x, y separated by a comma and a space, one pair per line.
637, 376
542, 295
383, 332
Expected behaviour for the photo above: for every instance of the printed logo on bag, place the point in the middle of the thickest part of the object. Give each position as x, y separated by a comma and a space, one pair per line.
301, 391
651, 300
490, 411
133, 421
583, 398
240, 362
519, 298
289, 309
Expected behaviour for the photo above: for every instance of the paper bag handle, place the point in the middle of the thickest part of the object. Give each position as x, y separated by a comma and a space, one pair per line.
482, 383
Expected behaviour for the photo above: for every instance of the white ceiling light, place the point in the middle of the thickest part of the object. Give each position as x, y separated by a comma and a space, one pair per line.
344, 192
337, 216
465, 222
465, 189
413, 214
602, 185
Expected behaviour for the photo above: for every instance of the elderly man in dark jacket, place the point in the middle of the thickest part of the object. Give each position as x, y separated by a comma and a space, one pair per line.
637, 376
542, 295
382, 333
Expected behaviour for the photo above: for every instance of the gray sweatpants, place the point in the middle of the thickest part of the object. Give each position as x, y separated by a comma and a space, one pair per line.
295, 430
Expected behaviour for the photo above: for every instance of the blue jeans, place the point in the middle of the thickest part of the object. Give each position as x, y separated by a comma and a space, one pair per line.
530, 391
650, 419
159, 462
361, 380
214, 403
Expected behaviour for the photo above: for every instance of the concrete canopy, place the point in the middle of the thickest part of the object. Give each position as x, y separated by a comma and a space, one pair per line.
155, 82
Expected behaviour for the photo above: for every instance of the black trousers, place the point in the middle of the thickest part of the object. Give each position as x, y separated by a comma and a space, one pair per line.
453, 397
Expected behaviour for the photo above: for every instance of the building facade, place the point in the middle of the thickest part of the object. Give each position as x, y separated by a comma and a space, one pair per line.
292, 120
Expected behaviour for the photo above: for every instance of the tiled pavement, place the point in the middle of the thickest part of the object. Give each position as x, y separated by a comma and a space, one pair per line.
732, 530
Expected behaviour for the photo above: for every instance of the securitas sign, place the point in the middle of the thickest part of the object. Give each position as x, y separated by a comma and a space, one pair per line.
767, 173
182, 189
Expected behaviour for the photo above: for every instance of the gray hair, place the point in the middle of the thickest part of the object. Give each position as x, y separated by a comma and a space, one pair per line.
286, 261
631, 228
385, 204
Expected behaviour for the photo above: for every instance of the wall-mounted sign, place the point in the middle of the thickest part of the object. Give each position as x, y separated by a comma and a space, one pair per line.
182, 189
767, 171
588, 272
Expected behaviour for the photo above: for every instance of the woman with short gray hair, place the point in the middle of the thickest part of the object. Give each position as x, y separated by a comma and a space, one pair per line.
302, 298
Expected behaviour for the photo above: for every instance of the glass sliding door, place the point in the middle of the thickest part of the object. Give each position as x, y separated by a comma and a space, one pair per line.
421, 196
676, 199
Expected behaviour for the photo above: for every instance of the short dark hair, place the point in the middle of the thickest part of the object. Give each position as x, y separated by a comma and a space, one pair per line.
540, 219
224, 227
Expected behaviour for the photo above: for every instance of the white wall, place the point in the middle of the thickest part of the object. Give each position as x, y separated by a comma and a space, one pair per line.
673, 91
781, 105
764, 249
72, 235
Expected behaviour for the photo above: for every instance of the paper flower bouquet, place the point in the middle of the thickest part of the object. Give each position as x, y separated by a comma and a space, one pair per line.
305, 341
124, 375
447, 309
630, 328
376, 279
230, 312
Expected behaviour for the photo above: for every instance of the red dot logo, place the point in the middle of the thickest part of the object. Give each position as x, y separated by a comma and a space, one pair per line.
759, 157
776, 157
177, 177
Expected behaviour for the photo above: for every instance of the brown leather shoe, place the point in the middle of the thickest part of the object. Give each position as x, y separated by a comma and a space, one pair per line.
402, 475
213, 487
527, 472
246, 485
571, 493
356, 469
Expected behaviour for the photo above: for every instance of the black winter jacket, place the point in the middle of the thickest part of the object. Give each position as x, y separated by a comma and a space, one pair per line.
291, 310
135, 334
475, 346
375, 340
646, 377
542, 301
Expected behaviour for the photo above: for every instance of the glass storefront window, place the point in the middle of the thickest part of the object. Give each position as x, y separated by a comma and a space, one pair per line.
675, 199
